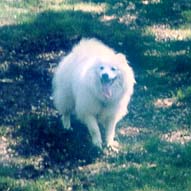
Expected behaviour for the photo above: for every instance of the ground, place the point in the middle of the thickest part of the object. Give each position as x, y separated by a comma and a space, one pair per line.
36, 153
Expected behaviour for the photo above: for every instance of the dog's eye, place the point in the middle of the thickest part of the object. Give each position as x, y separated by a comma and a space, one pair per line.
101, 68
113, 68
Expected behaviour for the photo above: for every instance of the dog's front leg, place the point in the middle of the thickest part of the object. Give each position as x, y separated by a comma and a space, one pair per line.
94, 130
110, 134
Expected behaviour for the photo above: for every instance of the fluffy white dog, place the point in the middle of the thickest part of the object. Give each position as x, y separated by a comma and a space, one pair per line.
95, 83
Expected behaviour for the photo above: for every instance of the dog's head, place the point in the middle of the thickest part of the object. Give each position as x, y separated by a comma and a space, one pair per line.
108, 77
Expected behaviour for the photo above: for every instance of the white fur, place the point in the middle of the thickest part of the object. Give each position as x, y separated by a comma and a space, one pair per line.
77, 88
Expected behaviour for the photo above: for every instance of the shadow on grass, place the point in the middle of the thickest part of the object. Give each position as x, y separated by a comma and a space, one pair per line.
48, 31
56, 30
46, 137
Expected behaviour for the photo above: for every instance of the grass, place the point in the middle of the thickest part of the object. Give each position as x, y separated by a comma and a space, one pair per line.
155, 134
143, 180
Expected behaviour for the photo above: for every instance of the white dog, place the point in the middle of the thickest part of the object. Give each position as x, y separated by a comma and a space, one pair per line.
95, 83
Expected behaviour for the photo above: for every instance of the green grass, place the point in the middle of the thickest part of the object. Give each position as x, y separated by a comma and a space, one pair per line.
45, 160
144, 178
162, 167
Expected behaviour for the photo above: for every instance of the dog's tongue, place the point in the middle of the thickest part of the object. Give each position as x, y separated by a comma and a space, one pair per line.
107, 90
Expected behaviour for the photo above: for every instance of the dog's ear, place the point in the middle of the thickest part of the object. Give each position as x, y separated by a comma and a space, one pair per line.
121, 58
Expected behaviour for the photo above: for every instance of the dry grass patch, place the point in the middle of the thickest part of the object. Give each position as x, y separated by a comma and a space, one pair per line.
165, 33
181, 136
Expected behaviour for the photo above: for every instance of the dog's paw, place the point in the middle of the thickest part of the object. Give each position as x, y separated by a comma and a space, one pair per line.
97, 142
67, 127
114, 146
66, 123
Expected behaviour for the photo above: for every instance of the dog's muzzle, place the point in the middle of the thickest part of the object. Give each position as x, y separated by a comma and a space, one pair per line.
107, 82
105, 79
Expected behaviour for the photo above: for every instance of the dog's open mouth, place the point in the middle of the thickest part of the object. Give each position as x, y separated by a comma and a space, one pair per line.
107, 85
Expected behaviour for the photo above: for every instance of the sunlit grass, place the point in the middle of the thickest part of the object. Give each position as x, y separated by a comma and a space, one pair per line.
86, 7
146, 2
12, 13
181, 136
165, 33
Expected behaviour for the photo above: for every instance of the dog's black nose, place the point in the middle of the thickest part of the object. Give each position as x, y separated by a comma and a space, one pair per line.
105, 77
